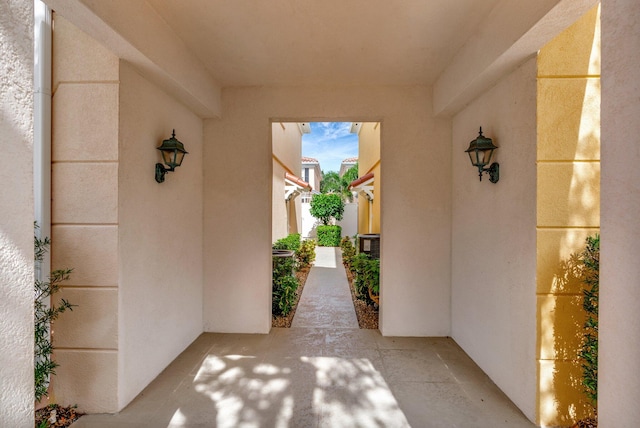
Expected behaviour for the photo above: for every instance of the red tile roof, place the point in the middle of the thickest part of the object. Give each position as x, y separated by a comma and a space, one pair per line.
309, 160
350, 160
300, 182
361, 180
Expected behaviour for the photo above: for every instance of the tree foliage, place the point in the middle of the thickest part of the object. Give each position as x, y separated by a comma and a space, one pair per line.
333, 183
330, 183
325, 206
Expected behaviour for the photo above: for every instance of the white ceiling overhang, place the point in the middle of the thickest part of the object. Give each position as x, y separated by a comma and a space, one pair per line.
193, 49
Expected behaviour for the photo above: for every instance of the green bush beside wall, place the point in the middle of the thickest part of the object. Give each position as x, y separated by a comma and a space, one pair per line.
329, 236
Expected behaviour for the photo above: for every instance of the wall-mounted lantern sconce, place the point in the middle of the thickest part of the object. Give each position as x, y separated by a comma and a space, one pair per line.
480, 151
172, 153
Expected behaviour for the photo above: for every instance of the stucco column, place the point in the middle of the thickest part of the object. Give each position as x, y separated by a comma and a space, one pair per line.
619, 386
16, 214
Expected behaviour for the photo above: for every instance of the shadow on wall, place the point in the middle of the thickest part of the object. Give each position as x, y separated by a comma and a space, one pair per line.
561, 319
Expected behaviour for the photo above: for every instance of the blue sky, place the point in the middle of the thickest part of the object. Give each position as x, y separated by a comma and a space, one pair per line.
330, 143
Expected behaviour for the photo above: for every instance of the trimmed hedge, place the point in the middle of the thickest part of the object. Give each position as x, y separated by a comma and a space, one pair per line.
329, 236
291, 242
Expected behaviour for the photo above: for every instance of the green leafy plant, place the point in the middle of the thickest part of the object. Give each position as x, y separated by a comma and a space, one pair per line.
284, 283
329, 236
291, 242
306, 254
348, 251
590, 258
327, 206
333, 183
366, 271
284, 294
45, 313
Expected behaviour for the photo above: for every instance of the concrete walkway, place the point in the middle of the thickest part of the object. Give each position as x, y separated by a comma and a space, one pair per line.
326, 299
322, 372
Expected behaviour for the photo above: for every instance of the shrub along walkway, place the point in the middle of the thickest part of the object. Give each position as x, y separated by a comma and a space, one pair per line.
322, 372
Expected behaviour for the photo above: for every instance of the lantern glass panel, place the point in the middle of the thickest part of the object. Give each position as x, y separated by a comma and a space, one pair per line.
473, 157
168, 157
485, 156
179, 157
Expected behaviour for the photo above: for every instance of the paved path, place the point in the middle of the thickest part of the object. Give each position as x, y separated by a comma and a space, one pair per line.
324, 372
326, 299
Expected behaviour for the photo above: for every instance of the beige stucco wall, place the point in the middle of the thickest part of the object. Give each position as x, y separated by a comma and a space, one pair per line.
160, 234
568, 210
286, 142
136, 313
85, 217
415, 252
618, 384
493, 237
16, 212
369, 161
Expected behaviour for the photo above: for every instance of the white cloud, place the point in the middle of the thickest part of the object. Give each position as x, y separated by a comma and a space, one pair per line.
330, 143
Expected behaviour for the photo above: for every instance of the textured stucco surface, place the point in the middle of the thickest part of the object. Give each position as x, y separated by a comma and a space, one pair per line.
16, 213
415, 252
159, 234
619, 387
568, 210
85, 217
493, 238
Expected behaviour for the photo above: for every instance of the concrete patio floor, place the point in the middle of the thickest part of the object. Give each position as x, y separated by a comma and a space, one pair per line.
318, 375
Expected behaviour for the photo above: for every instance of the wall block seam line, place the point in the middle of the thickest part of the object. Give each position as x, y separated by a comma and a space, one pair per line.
82, 82
568, 161
80, 161
541, 227
85, 224
90, 287
557, 360
89, 350
570, 76
559, 294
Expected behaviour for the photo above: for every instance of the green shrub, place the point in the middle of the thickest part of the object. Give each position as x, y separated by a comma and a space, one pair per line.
325, 206
284, 284
45, 312
291, 242
284, 295
329, 236
283, 266
306, 254
348, 251
590, 258
366, 273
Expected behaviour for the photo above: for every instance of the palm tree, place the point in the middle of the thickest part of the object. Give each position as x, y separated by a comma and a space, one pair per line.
333, 183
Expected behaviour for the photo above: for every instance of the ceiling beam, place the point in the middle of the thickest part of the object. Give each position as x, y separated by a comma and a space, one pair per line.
136, 33
513, 32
